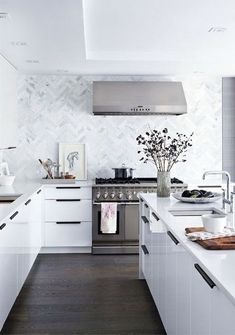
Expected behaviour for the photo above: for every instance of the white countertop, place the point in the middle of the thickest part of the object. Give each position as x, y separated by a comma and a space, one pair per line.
219, 264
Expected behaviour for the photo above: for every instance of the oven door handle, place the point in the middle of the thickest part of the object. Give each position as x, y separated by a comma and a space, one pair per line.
118, 203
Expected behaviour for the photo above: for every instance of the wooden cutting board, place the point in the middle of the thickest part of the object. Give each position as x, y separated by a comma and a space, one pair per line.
222, 243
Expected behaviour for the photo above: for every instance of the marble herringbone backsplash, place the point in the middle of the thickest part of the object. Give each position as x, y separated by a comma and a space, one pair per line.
53, 109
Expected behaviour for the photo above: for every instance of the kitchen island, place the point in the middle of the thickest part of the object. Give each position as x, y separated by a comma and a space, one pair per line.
193, 288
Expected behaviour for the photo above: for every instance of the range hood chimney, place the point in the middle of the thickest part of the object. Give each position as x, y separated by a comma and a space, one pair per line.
138, 98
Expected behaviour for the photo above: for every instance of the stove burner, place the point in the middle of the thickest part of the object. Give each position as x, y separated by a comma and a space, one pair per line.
100, 181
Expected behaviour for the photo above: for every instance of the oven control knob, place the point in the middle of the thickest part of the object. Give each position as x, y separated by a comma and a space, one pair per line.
112, 195
129, 195
120, 194
105, 195
98, 195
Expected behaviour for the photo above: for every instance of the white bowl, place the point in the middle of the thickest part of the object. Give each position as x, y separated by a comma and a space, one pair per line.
7, 180
214, 223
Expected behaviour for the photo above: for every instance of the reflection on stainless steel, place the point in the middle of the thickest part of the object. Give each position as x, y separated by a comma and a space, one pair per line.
125, 193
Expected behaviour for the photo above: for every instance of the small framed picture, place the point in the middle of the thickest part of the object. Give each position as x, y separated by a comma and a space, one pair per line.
72, 159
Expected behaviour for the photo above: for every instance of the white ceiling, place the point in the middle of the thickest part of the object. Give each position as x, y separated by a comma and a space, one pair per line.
119, 36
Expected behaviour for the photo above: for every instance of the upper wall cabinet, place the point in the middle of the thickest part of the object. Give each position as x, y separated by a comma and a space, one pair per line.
8, 104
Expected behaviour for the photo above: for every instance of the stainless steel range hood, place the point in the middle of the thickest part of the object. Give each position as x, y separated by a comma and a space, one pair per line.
138, 98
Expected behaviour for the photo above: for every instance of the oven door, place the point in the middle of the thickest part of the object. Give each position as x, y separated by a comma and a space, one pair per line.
97, 234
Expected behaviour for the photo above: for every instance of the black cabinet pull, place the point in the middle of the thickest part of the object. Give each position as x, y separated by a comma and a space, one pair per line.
66, 222
14, 215
2, 226
173, 237
145, 250
144, 219
155, 216
68, 200
39, 191
27, 202
205, 276
141, 200
146, 205
67, 187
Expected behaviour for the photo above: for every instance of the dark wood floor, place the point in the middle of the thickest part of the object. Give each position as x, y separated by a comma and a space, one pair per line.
84, 294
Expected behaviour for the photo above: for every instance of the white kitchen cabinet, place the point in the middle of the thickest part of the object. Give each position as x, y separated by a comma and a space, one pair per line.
8, 104
68, 192
67, 210
183, 286
8, 269
200, 302
171, 283
68, 216
222, 314
188, 300
27, 228
68, 234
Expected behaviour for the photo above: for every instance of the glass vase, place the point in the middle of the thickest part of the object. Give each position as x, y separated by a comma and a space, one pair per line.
163, 184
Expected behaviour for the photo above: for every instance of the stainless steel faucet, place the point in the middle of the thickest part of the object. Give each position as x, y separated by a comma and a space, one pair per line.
228, 199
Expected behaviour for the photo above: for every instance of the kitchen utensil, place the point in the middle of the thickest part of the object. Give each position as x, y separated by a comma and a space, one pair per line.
214, 223
123, 172
178, 196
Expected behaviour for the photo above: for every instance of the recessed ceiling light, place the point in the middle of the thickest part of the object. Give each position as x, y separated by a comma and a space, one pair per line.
4, 16
18, 43
32, 61
217, 30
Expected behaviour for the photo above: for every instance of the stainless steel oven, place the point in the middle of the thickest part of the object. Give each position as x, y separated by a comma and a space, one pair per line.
125, 240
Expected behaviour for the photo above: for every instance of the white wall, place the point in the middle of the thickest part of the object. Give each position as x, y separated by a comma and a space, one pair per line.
8, 104
57, 109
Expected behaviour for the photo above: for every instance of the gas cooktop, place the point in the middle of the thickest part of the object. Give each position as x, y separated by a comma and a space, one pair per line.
101, 181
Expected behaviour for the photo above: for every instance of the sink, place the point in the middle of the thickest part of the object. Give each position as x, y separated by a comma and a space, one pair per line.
195, 212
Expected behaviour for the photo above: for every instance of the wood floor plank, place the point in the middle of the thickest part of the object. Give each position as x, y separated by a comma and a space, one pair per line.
85, 295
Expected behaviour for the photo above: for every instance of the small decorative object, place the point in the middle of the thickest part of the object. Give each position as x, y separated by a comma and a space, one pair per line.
49, 166
72, 158
163, 151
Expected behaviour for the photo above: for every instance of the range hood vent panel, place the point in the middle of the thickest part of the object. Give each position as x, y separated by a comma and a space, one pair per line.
138, 98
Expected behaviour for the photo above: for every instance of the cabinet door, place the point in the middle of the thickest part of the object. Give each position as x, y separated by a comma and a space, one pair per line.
223, 312
171, 276
183, 291
201, 294
68, 210
8, 270
161, 275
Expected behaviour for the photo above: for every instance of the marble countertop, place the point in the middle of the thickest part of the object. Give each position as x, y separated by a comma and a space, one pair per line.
219, 264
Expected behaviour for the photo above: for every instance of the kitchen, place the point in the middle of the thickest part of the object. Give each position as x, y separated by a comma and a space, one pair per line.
72, 84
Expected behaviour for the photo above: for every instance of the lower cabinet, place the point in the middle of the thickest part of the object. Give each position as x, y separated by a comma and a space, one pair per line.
188, 301
20, 242
68, 216
68, 234
8, 270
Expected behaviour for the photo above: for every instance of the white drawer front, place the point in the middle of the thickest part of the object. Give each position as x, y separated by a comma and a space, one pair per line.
68, 192
68, 235
68, 210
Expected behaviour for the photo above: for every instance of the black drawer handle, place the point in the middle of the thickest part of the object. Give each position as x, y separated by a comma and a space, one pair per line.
205, 276
14, 215
141, 200
145, 250
144, 219
27, 202
2, 226
39, 191
67, 188
66, 222
68, 200
173, 237
155, 216
145, 205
